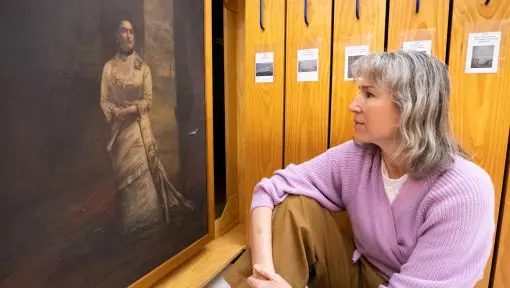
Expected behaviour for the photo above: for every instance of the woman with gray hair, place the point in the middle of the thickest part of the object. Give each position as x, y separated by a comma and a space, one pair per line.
422, 213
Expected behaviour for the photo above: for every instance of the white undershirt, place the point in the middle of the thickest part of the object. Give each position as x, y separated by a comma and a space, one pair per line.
391, 186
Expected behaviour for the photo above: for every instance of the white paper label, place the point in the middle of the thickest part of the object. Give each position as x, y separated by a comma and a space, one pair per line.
264, 67
352, 53
422, 46
483, 52
308, 65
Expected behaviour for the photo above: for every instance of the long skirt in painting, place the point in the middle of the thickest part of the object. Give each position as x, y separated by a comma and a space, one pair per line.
146, 197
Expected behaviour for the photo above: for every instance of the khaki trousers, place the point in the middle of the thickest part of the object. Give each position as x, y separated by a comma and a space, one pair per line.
311, 247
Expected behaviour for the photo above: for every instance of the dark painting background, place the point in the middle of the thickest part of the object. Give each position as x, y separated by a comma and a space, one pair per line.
57, 187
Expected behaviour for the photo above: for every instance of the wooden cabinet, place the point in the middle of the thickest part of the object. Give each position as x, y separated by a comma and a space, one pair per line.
260, 105
419, 20
307, 102
350, 31
290, 121
480, 104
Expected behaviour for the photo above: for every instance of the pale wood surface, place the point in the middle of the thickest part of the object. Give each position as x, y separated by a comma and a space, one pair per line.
191, 250
230, 216
307, 103
502, 269
349, 31
480, 102
202, 268
244, 193
260, 107
209, 115
406, 24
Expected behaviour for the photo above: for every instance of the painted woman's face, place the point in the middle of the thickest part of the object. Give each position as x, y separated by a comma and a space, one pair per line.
126, 36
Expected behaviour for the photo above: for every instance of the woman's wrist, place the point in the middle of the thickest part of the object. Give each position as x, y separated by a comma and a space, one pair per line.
131, 109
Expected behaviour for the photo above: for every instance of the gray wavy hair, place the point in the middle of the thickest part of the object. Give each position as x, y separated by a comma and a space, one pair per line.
421, 90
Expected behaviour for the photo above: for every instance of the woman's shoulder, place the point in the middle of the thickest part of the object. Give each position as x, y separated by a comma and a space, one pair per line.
139, 63
466, 171
464, 179
351, 158
108, 65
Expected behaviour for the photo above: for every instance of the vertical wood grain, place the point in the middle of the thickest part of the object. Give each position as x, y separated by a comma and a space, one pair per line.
406, 24
307, 103
368, 30
261, 103
480, 102
230, 216
209, 115
501, 275
244, 194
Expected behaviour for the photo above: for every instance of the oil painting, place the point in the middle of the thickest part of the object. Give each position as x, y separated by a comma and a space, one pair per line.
104, 171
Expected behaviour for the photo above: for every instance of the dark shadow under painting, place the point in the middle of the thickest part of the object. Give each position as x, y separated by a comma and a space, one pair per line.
103, 147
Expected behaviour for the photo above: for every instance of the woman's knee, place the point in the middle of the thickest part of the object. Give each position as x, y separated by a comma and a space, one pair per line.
293, 202
300, 210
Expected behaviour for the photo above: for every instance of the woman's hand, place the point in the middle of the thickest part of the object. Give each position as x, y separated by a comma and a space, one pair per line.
263, 278
116, 112
124, 112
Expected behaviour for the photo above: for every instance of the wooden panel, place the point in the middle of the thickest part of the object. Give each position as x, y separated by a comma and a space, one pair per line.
479, 104
230, 216
244, 193
208, 263
307, 103
430, 23
368, 30
501, 275
261, 104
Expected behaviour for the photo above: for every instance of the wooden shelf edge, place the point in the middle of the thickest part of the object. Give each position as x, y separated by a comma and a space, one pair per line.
203, 267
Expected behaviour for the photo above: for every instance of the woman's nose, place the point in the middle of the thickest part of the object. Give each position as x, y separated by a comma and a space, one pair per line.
354, 106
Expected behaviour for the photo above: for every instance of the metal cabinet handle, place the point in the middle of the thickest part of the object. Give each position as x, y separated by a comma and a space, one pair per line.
357, 9
306, 13
261, 17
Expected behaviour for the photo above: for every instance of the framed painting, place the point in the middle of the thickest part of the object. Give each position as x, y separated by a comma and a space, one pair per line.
107, 149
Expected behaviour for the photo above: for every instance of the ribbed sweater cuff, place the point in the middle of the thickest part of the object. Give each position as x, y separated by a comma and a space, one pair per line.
261, 199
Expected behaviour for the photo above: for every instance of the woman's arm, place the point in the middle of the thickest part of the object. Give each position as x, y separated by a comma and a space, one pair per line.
144, 105
318, 178
105, 103
260, 237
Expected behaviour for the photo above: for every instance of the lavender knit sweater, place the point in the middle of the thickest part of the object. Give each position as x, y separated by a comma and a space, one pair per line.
437, 233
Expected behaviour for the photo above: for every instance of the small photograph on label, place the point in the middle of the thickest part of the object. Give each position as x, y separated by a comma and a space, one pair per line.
353, 53
483, 52
264, 67
350, 60
308, 65
482, 56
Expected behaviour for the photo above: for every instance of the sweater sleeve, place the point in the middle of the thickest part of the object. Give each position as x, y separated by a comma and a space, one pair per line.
105, 99
455, 241
318, 178
144, 105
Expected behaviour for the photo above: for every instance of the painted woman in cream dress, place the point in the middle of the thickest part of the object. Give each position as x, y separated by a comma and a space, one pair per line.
146, 196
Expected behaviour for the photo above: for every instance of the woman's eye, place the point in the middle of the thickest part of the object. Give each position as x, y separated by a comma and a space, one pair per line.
370, 95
